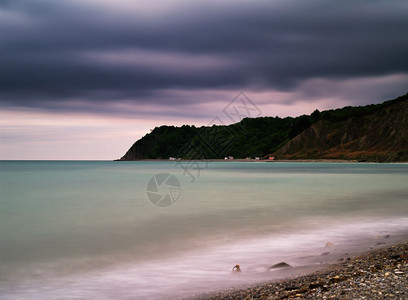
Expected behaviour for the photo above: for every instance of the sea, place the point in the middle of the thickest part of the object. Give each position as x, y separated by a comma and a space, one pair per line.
176, 229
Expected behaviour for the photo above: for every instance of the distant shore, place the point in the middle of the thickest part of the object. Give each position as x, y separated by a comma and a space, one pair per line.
377, 274
252, 160
273, 160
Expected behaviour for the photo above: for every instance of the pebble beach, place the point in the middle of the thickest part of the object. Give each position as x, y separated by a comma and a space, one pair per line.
378, 274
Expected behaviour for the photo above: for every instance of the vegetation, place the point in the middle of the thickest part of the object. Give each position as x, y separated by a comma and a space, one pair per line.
249, 138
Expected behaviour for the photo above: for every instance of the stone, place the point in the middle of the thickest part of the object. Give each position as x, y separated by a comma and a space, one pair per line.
291, 288
280, 265
315, 285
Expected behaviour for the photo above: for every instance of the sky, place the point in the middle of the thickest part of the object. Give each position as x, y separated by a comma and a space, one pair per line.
85, 79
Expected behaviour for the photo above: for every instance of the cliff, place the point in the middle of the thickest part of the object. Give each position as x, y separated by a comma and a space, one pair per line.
381, 136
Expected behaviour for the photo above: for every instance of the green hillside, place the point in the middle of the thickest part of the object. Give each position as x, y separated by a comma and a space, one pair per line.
255, 136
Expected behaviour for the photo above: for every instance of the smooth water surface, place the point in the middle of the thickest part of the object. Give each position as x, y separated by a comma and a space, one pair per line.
86, 229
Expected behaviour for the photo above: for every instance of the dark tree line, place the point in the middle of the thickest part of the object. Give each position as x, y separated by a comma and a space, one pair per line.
249, 138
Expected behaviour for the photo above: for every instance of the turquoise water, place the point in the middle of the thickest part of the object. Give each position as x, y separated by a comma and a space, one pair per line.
79, 229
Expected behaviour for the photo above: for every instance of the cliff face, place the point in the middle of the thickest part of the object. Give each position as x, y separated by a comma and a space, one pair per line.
378, 136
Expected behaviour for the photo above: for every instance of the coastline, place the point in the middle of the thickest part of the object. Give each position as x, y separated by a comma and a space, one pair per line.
375, 274
311, 160
251, 160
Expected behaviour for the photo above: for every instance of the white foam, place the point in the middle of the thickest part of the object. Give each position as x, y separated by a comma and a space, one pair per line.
209, 268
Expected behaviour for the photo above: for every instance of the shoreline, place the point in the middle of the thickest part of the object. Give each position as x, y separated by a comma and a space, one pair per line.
374, 274
324, 160
252, 160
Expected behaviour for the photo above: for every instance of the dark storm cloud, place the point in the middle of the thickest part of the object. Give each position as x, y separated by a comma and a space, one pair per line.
62, 52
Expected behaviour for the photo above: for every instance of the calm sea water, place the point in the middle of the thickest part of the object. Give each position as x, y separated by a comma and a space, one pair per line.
82, 230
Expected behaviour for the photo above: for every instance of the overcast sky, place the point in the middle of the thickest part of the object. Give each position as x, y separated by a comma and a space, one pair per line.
84, 79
